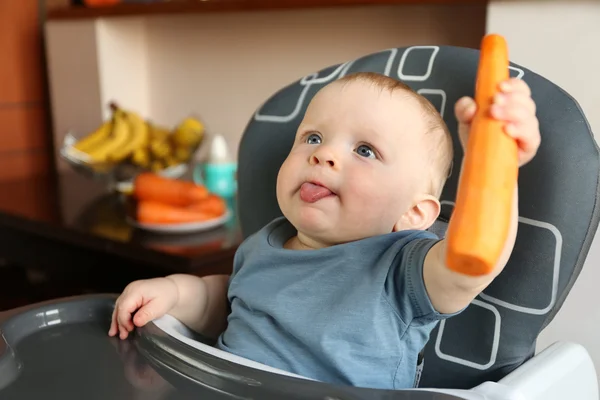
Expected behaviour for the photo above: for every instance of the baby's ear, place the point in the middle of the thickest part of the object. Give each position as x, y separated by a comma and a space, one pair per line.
421, 215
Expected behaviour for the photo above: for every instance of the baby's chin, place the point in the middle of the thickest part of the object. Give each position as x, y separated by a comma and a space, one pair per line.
325, 229
313, 223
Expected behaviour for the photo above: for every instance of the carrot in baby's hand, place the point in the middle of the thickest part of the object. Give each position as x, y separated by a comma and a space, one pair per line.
149, 186
213, 205
154, 212
481, 219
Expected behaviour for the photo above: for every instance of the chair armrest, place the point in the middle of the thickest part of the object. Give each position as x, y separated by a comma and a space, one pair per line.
564, 370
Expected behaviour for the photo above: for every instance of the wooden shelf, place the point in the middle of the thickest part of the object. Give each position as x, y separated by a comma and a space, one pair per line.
208, 6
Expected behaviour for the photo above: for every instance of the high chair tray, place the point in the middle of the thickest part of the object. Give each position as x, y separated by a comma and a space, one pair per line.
60, 350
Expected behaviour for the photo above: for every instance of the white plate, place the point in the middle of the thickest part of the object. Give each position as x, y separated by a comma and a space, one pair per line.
183, 228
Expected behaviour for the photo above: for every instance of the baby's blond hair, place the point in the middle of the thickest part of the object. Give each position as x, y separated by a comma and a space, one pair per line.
441, 151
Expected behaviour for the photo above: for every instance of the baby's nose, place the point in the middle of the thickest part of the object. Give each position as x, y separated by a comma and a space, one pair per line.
316, 160
324, 157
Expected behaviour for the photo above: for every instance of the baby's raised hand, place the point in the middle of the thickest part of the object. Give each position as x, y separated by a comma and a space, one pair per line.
514, 105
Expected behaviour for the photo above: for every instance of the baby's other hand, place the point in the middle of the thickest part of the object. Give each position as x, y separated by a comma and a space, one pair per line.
514, 105
148, 299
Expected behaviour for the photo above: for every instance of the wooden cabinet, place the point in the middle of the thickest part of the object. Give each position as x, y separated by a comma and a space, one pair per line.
24, 134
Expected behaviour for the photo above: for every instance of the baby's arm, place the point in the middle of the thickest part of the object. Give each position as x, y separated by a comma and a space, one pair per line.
202, 304
199, 303
451, 291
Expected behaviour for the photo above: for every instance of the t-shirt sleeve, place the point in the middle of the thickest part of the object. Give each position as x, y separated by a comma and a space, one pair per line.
238, 260
243, 249
405, 286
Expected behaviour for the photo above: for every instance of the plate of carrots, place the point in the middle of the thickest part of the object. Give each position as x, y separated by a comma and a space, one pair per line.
169, 205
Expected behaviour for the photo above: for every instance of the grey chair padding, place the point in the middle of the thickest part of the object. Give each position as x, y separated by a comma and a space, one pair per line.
558, 205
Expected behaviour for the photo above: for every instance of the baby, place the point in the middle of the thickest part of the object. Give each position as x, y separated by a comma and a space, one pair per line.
346, 286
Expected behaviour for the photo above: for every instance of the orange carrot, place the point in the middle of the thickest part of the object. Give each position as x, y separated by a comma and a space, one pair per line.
481, 218
149, 186
154, 212
213, 205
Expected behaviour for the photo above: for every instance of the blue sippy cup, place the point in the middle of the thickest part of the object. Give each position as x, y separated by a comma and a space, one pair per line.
218, 173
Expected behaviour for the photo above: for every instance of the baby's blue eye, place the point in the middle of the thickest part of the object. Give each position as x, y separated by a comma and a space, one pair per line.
365, 151
313, 139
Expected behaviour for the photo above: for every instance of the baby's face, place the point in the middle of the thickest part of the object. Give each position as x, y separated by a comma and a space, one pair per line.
357, 163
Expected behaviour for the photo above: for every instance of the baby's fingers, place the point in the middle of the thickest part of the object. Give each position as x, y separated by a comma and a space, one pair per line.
124, 308
515, 85
465, 109
513, 107
114, 328
151, 310
118, 329
527, 136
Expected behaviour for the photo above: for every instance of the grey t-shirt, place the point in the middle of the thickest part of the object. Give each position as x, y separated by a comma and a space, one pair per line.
353, 314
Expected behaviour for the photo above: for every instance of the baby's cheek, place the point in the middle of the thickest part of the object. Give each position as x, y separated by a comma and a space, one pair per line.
289, 170
371, 211
367, 193
386, 193
285, 181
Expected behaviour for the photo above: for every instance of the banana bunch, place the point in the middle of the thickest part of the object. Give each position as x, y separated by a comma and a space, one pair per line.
116, 139
128, 138
168, 148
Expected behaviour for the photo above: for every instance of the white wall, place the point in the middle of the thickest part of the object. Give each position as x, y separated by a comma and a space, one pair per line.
223, 66
90, 64
560, 40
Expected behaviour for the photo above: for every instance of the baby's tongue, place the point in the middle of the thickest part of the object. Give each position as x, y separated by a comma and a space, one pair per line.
310, 192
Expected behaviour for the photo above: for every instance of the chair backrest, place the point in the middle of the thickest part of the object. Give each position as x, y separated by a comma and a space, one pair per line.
558, 205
